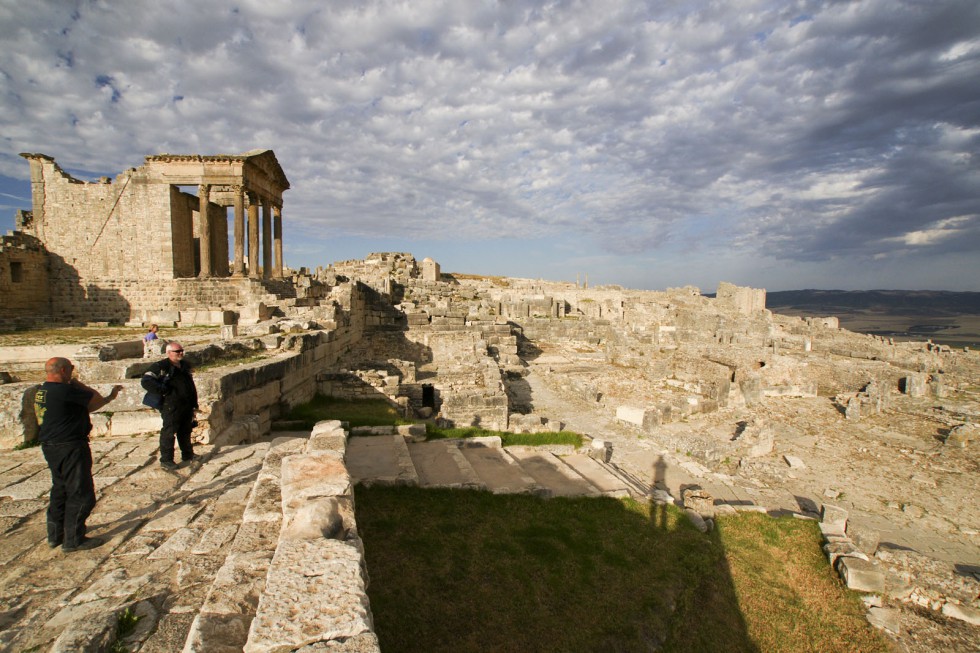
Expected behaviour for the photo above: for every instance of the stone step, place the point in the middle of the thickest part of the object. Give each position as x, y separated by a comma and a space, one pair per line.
500, 473
165, 532
598, 474
549, 471
380, 459
440, 463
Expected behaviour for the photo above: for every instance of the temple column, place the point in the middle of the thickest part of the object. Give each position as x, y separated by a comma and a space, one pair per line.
253, 236
238, 269
204, 230
277, 240
266, 239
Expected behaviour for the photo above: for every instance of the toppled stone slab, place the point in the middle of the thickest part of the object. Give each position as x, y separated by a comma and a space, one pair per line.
885, 619
861, 575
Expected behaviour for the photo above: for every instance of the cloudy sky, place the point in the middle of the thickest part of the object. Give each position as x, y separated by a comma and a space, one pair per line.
770, 143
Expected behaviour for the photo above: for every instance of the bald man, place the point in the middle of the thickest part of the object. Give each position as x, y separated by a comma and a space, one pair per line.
62, 405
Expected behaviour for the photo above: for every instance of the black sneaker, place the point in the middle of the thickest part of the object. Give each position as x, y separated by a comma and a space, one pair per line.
54, 544
84, 545
168, 465
187, 460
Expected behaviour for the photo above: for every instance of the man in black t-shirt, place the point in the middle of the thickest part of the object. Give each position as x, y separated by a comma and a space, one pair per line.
62, 405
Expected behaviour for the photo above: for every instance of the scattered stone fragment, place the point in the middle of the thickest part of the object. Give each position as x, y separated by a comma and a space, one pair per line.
885, 619
962, 612
794, 462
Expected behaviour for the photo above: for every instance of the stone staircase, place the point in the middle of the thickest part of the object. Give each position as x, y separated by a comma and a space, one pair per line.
482, 463
250, 548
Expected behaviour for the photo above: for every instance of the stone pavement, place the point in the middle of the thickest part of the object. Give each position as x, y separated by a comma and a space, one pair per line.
192, 552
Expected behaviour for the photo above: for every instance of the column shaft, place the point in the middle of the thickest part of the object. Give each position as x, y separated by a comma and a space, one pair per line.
204, 230
277, 241
253, 236
266, 239
238, 269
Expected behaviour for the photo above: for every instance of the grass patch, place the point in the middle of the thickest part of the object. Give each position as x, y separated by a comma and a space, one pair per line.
378, 412
465, 571
95, 334
367, 412
507, 439
30, 444
125, 625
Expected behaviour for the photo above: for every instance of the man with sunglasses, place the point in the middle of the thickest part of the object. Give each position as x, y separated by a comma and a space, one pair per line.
172, 378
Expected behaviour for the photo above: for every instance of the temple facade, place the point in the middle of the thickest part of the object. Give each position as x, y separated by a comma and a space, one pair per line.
125, 248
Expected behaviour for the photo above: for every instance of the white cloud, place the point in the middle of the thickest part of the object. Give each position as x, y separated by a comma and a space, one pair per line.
806, 130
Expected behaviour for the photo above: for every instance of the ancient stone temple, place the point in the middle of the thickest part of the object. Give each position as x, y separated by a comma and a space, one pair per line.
121, 247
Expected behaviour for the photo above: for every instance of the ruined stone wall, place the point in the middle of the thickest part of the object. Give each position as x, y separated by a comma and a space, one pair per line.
103, 230
23, 277
743, 300
238, 403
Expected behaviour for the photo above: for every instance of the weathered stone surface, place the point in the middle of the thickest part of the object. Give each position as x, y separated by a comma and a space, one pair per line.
963, 435
861, 575
698, 499
886, 619
135, 423
321, 580
313, 475
962, 612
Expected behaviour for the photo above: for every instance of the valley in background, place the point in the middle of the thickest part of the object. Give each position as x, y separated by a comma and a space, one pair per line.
947, 318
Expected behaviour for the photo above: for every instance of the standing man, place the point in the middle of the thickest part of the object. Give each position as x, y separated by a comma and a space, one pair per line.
62, 405
172, 378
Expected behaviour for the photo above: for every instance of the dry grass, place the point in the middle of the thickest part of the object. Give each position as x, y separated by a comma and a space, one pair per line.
471, 571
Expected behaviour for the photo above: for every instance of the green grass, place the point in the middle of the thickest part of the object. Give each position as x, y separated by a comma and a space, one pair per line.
466, 571
378, 412
367, 412
507, 439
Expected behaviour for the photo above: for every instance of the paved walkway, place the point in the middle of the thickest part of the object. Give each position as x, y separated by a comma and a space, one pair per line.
167, 534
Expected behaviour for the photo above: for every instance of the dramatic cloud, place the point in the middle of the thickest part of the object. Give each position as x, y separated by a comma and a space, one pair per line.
776, 144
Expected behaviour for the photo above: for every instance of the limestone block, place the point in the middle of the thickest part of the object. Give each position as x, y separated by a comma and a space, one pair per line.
327, 436
698, 499
886, 619
313, 475
100, 425
794, 462
833, 516
697, 520
839, 547
315, 520
135, 422
412, 432
315, 592
914, 385
600, 450
865, 539
645, 418
962, 612
861, 575
963, 435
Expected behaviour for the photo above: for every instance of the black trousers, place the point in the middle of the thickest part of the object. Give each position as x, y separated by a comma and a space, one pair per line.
72, 491
176, 427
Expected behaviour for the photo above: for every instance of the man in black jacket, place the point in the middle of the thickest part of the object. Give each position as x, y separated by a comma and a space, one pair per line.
171, 377
62, 405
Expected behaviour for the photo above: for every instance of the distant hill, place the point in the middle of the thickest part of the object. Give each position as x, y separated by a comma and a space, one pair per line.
936, 303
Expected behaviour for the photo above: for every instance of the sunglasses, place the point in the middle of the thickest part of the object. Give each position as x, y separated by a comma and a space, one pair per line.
177, 351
